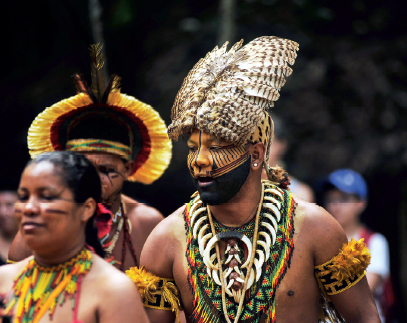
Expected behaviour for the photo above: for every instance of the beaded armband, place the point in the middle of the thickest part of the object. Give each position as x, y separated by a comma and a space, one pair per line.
345, 269
156, 292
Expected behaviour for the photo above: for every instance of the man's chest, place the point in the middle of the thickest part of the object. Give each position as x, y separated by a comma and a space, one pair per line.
297, 293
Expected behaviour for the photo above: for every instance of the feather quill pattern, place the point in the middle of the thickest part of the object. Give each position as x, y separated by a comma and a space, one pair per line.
227, 92
112, 87
98, 78
82, 86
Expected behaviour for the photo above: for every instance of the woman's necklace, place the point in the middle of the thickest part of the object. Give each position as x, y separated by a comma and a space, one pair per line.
39, 289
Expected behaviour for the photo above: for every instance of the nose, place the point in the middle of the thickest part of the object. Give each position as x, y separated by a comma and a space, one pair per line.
203, 159
31, 207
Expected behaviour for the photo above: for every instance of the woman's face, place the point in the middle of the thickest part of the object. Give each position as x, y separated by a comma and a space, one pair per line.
48, 216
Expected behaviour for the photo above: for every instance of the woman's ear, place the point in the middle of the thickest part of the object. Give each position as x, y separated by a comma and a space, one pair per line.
89, 209
257, 151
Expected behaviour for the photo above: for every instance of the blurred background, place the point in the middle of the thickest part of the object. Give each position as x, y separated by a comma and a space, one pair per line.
345, 105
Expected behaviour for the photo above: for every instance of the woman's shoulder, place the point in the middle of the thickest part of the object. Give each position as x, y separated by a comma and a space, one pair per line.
104, 278
112, 293
101, 269
9, 272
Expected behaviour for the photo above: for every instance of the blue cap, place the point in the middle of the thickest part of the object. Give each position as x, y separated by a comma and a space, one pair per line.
348, 181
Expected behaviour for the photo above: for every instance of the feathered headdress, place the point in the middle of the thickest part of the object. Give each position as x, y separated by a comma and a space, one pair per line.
227, 93
100, 118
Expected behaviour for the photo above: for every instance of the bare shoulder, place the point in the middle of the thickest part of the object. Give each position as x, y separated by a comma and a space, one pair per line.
107, 279
140, 213
321, 231
170, 227
163, 243
9, 272
117, 295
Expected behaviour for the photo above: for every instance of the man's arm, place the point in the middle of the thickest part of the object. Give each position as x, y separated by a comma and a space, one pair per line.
157, 257
18, 249
356, 303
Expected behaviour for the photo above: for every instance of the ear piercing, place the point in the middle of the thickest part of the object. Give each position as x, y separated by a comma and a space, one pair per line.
255, 164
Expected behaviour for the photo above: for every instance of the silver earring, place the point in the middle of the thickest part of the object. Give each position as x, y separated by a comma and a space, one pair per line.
255, 164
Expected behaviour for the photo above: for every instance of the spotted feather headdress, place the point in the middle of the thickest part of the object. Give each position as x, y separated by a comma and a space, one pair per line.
227, 93
101, 119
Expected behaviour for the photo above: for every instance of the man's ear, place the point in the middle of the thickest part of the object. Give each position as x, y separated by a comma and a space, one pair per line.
257, 151
89, 209
128, 167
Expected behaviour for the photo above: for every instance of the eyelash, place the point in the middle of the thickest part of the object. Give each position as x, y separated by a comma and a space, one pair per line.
44, 197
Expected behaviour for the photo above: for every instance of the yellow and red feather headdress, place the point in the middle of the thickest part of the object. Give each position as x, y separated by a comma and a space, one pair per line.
149, 147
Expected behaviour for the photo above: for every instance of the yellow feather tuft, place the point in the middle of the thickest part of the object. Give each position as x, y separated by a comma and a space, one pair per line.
352, 260
148, 286
146, 282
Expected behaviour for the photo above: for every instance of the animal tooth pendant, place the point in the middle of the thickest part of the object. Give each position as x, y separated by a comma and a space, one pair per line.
233, 275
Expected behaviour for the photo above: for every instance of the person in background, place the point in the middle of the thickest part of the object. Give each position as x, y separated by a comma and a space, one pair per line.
346, 197
277, 152
8, 222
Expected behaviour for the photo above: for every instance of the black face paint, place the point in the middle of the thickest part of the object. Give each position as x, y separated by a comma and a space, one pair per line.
224, 187
109, 172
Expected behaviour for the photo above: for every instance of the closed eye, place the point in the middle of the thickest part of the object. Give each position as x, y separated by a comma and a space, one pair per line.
22, 198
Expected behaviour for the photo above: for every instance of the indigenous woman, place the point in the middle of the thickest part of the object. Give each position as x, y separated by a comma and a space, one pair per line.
57, 203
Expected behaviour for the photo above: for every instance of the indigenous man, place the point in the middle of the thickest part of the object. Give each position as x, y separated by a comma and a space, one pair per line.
243, 250
125, 139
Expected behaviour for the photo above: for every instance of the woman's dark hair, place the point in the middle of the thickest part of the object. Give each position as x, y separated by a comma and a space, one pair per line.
83, 180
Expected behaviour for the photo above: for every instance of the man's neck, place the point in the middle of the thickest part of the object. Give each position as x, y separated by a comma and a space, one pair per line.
115, 204
241, 208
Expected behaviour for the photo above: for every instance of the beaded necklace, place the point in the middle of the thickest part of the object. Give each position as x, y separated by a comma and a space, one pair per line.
247, 229
125, 224
271, 245
39, 289
104, 240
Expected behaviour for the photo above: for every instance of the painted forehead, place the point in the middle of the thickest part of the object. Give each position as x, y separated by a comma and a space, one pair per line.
103, 159
200, 137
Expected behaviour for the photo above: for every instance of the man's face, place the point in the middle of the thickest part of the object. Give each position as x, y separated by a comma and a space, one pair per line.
346, 208
219, 168
8, 222
113, 171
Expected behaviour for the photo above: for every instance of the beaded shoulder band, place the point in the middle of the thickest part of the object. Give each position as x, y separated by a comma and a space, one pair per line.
156, 292
345, 269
